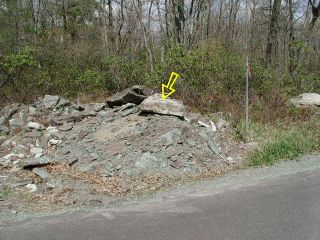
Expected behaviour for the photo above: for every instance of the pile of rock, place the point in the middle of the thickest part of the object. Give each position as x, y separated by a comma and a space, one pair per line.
134, 132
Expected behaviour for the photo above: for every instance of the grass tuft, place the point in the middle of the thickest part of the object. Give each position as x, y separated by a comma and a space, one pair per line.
300, 140
4, 193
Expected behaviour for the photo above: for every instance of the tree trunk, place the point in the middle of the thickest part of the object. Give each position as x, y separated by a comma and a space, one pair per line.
272, 45
163, 42
144, 33
111, 25
292, 55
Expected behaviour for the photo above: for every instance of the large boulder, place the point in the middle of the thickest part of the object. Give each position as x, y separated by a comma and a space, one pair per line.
306, 100
135, 94
155, 104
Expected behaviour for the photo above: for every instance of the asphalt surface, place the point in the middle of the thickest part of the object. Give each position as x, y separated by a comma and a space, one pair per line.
285, 206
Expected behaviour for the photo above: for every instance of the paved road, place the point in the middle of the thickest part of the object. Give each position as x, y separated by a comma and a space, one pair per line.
282, 207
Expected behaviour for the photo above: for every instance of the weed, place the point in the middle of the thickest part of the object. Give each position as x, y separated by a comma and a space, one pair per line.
282, 144
4, 193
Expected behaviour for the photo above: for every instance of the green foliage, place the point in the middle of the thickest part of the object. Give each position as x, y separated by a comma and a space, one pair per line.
4, 193
287, 147
89, 81
282, 144
13, 63
211, 78
16, 69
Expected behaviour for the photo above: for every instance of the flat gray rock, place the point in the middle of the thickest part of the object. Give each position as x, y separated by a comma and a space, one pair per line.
99, 107
135, 94
41, 173
35, 150
37, 163
50, 101
129, 111
34, 125
306, 100
2, 139
14, 123
66, 127
155, 104
4, 131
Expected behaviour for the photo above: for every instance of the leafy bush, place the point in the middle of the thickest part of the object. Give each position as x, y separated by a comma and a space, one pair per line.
211, 78
89, 81
15, 67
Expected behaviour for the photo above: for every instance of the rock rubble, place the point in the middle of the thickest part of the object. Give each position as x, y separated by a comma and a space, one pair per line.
135, 132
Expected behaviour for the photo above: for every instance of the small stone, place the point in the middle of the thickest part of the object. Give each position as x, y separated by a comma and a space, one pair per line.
20, 149
14, 169
63, 102
191, 142
2, 139
129, 111
192, 117
2, 120
66, 127
92, 114
230, 161
213, 147
176, 164
4, 131
118, 167
52, 130
35, 150
13, 156
54, 142
171, 137
31, 187
213, 126
44, 140
21, 183
32, 111
104, 114
72, 161
41, 173
94, 156
66, 152
39, 155
149, 162
81, 135
203, 124
34, 125
99, 107
14, 124
222, 124
5, 162
125, 107
50, 101
37, 163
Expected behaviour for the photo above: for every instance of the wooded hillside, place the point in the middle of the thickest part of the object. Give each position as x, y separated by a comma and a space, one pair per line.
73, 47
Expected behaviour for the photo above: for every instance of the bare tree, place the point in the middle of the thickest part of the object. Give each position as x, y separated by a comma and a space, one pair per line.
315, 13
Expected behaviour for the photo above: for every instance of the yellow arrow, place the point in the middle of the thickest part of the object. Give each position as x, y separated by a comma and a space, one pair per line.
169, 87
